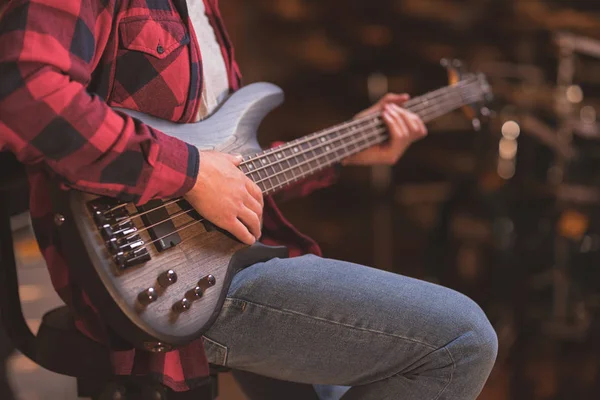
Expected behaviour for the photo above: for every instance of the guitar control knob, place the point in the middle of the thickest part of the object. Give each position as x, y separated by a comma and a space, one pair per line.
182, 305
195, 293
207, 281
148, 296
211, 280
167, 278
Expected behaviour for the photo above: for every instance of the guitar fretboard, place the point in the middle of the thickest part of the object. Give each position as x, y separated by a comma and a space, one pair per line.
278, 167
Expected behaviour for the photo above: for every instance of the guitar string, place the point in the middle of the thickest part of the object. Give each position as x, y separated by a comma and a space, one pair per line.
295, 153
308, 161
434, 109
335, 159
353, 123
146, 245
425, 99
375, 117
376, 136
443, 92
139, 214
169, 218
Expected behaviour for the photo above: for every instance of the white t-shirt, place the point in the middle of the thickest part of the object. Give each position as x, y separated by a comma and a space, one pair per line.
216, 82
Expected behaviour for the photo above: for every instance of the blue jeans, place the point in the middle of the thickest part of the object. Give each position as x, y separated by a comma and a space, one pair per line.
290, 325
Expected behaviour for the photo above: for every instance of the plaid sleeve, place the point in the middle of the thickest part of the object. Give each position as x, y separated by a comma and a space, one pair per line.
48, 50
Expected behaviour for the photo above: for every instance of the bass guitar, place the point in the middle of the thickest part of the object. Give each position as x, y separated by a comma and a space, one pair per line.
159, 273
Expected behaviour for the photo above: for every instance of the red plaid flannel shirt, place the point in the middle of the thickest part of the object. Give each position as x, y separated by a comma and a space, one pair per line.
63, 65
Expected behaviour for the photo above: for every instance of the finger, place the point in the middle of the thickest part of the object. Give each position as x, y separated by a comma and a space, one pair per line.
254, 205
255, 192
251, 220
409, 118
240, 231
236, 159
390, 98
422, 127
395, 98
398, 126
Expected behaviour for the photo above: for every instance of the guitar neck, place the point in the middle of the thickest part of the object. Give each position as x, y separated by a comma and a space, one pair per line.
279, 167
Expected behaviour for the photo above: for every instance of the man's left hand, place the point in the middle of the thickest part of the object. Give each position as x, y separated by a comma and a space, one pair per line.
404, 127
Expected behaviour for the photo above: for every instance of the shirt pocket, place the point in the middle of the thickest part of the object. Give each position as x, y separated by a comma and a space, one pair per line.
152, 67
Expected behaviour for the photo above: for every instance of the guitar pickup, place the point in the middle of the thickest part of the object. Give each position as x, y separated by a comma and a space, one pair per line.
164, 229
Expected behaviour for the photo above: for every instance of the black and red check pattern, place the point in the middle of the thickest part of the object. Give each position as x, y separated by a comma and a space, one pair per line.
63, 66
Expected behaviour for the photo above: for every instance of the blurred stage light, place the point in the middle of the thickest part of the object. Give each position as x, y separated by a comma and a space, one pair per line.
588, 114
574, 94
511, 130
507, 148
377, 85
506, 168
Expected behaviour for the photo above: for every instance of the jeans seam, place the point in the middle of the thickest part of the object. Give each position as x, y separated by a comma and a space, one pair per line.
445, 347
451, 373
342, 324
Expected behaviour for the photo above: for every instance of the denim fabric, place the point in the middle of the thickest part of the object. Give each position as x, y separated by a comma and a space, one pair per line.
317, 321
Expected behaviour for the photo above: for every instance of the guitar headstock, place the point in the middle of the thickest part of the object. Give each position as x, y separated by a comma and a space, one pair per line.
478, 89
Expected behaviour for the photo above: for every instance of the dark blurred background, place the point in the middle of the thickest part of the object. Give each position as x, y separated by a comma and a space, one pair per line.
508, 214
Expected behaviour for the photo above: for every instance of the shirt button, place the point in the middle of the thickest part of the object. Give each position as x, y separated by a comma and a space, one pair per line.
160, 49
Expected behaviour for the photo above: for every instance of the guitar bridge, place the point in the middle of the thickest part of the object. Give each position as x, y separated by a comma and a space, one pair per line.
119, 232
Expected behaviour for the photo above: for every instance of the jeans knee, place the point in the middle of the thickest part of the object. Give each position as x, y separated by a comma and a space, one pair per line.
483, 336
488, 341
479, 339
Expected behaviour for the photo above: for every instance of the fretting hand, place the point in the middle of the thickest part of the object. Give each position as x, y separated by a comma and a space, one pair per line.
404, 126
226, 197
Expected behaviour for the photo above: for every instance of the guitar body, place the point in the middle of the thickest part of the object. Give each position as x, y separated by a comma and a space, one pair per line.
203, 257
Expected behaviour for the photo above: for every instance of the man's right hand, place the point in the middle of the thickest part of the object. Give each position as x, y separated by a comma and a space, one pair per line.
226, 197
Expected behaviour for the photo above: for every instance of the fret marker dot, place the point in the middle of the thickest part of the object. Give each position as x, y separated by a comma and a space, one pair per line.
295, 149
323, 139
279, 155
327, 148
250, 166
264, 161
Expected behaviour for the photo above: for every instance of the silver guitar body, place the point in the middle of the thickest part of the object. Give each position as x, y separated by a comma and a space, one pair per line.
121, 294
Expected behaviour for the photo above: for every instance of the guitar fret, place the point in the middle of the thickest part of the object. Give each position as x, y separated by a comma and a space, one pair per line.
280, 156
262, 175
303, 161
250, 171
337, 144
275, 167
314, 146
